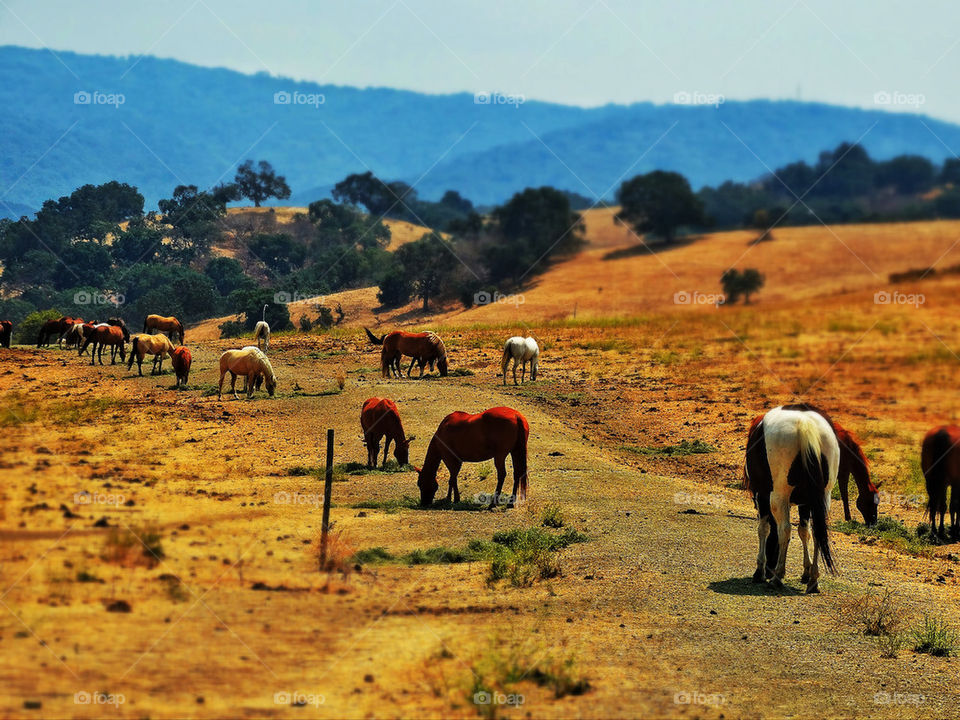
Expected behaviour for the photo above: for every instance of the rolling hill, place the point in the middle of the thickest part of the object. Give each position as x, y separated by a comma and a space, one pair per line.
183, 124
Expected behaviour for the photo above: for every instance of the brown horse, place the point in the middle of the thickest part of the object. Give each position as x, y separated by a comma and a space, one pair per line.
169, 325
102, 335
940, 462
462, 437
181, 361
426, 347
55, 328
379, 418
157, 345
6, 330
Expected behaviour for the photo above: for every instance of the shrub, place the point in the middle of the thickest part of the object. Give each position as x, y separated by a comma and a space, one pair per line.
134, 546
880, 615
552, 516
934, 636
232, 329
27, 331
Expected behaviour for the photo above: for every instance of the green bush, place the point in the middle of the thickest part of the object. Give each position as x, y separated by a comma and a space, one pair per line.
934, 636
27, 331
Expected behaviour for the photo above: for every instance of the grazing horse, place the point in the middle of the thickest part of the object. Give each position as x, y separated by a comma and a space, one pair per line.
118, 322
74, 337
169, 325
521, 350
6, 331
425, 347
157, 345
261, 331
250, 362
380, 418
101, 335
940, 462
792, 457
462, 437
181, 361
55, 328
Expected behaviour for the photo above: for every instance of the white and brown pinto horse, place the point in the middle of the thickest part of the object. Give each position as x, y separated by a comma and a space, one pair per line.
169, 325
792, 458
157, 345
249, 362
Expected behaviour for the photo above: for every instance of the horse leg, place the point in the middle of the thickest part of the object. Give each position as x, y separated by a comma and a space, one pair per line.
523, 371
842, 480
93, 354
220, 387
233, 385
515, 371
250, 380
386, 448
501, 465
954, 510
780, 508
803, 530
763, 530
452, 486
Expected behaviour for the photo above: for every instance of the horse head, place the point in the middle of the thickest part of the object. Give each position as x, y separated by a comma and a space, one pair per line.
442, 366
428, 487
401, 451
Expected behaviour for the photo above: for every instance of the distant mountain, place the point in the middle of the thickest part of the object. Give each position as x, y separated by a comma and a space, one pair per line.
65, 125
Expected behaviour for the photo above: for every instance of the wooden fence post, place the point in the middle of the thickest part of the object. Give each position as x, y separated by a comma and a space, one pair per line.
327, 489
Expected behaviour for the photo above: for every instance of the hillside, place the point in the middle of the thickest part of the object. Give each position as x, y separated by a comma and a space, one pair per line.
163, 135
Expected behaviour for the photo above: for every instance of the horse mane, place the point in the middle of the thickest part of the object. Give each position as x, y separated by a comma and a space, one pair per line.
438, 344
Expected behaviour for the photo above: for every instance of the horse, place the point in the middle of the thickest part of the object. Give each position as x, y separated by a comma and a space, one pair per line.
54, 327
118, 322
462, 437
157, 345
250, 362
792, 457
74, 337
6, 331
261, 331
425, 347
940, 462
101, 335
169, 325
379, 418
181, 360
521, 350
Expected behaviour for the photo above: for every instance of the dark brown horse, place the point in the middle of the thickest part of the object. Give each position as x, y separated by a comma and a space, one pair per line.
425, 347
379, 418
6, 331
462, 437
55, 328
102, 335
940, 462
181, 361
170, 325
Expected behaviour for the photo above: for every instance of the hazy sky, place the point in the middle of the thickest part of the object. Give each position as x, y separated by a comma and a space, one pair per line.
583, 52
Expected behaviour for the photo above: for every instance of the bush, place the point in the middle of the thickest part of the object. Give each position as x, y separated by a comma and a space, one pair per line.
306, 325
26, 332
232, 329
934, 637
553, 516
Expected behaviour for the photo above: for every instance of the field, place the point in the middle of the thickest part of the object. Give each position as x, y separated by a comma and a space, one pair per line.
185, 582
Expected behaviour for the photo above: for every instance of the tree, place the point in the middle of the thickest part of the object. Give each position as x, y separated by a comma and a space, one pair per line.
659, 202
281, 253
260, 184
426, 262
395, 288
950, 173
250, 304
193, 216
909, 174
378, 197
227, 275
737, 284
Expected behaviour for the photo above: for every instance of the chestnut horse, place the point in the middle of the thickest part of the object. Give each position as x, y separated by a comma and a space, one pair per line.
792, 457
6, 330
425, 347
462, 437
940, 462
157, 345
181, 361
169, 325
56, 328
102, 335
380, 418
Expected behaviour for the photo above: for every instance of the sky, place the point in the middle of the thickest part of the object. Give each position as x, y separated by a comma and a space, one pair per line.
886, 54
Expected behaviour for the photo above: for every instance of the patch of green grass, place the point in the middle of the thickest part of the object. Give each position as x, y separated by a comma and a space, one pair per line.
607, 345
391, 505
684, 447
892, 533
373, 556
934, 636
552, 516
665, 357
358, 468
15, 411
461, 372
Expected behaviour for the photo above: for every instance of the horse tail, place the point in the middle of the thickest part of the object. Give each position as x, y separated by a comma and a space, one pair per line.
505, 360
145, 323
384, 361
133, 351
183, 336
936, 447
520, 453
374, 339
813, 475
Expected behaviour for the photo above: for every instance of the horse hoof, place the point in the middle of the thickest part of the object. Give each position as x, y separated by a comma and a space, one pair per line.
758, 576
776, 582
812, 588
805, 578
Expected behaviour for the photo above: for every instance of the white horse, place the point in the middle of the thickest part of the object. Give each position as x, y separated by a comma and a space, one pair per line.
521, 350
261, 331
249, 362
793, 456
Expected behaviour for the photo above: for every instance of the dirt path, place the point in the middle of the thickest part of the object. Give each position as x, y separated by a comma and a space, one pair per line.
657, 608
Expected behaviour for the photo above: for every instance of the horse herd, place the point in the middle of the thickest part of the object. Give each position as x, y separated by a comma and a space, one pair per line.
795, 454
